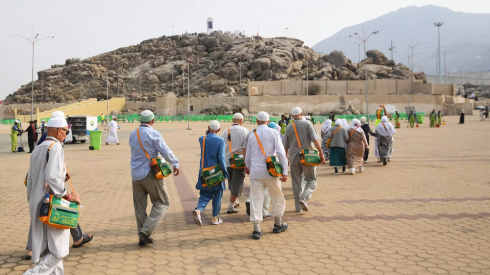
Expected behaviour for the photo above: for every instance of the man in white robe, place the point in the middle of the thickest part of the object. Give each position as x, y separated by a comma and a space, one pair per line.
52, 244
112, 128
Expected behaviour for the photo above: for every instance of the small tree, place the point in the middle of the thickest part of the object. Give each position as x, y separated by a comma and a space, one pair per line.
314, 89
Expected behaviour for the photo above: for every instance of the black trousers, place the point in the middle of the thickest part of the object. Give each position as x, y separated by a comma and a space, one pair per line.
366, 152
31, 145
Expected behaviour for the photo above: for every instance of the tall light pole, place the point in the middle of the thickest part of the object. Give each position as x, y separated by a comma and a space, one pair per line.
438, 25
364, 39
391, 50
188, 92
107, 85
359, 45
411, 54
35, 38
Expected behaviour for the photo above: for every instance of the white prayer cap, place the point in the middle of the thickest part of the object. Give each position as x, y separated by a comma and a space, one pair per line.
58, 114
57, 120
237, 116
147, 116
214, 125
363, 119
296, 111
308, 118
263, 116
17, 121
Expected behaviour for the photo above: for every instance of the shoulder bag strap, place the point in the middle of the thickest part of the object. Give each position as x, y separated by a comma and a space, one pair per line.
69, 178
260, 144
384, 126
202, 156
296, 133
336, 131
351, 133
139, 139
229, 139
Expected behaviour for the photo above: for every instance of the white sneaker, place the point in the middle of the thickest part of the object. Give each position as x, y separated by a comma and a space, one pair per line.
362, 169
352, 172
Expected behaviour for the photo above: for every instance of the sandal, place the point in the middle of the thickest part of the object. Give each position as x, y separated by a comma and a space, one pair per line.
86, 239
197, 218
220, 221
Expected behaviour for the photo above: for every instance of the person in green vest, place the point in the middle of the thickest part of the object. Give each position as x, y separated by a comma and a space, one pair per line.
397, 120
439, 118
380, 113
102, 119
432, 117
411, 119
15, 131
283, 124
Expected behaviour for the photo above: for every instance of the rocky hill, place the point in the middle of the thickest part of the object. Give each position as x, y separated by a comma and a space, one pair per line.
217, 63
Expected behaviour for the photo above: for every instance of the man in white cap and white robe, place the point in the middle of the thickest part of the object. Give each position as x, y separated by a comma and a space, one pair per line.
112, 128
306, 133
48, 175
264, 142
146, 144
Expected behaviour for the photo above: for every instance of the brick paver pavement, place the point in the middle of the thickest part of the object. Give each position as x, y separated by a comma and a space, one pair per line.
427, 212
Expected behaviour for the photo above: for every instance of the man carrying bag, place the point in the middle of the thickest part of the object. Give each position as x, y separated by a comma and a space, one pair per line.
299, 135
146, 144
47, 175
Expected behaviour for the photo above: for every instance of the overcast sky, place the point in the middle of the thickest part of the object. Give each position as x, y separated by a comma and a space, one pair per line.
89, 27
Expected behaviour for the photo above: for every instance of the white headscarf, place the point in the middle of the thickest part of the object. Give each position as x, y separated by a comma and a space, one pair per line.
356, 124
338, 122
327, 124
388, 131
344, 123
363, 119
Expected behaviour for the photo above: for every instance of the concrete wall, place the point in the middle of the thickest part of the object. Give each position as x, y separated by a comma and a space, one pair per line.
455, 109
200, 103
422, 103
341, 87
284, 104
167, 105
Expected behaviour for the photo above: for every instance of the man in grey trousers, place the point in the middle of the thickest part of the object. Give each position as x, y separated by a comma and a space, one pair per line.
307, 135
147, 143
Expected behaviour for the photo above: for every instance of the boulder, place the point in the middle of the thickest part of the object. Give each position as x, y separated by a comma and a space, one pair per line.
297, 65
337, 58
281, 62
266, 75
378, 57
251, 75
401, 73
260, 64
245, 112
378, 70
230, 73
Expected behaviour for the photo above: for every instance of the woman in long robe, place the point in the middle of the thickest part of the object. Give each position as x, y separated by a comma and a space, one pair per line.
461, 117
397, 120
325, 127
357, 145
337, 145
69, 136
384, 139
112, 127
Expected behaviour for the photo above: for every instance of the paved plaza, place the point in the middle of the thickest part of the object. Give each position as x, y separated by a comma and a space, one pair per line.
426, 212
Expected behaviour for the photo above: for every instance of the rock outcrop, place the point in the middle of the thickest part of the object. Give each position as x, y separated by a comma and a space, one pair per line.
218, 65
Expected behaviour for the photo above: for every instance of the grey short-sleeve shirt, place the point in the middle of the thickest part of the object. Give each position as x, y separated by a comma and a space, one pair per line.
306, 133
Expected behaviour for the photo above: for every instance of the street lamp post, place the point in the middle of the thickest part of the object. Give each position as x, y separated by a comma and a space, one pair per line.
107, 85
33, 41
359, 47
188, 92
364, 39
438, 25
411, 54
391, 50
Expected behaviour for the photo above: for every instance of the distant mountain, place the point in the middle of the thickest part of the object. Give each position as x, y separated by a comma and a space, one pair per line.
465, 37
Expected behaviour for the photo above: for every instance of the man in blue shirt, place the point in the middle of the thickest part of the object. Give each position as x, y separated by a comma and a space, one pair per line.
214, 153
147, 143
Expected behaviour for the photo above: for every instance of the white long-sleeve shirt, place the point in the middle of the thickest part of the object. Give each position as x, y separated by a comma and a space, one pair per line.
272, 144
238, 140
